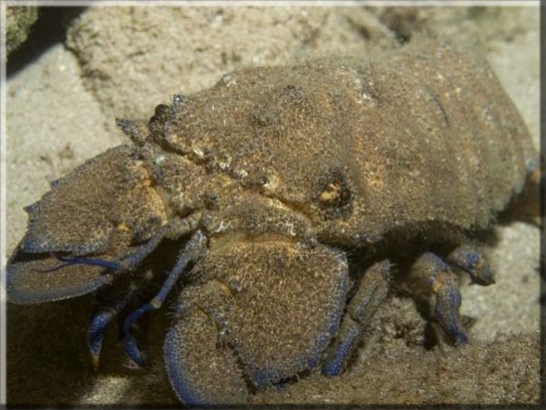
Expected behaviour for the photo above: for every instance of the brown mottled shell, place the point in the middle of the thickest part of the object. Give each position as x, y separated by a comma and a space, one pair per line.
423, 135
287, 189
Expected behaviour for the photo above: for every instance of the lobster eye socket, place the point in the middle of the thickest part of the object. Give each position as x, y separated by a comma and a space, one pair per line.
161, 113
334, 196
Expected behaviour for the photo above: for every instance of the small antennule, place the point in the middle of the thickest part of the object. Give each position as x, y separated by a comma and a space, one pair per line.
81, 261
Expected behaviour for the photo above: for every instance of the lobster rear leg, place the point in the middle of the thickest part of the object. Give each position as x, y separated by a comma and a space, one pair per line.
371, 292
433, 276
473, 263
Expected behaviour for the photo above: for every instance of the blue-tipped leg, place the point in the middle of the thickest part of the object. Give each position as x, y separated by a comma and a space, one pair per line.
371, 292
343, 346
474, 264
193, 249
438, 277
98, 325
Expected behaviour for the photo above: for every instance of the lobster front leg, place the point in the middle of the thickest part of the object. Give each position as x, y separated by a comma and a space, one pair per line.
431, 275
